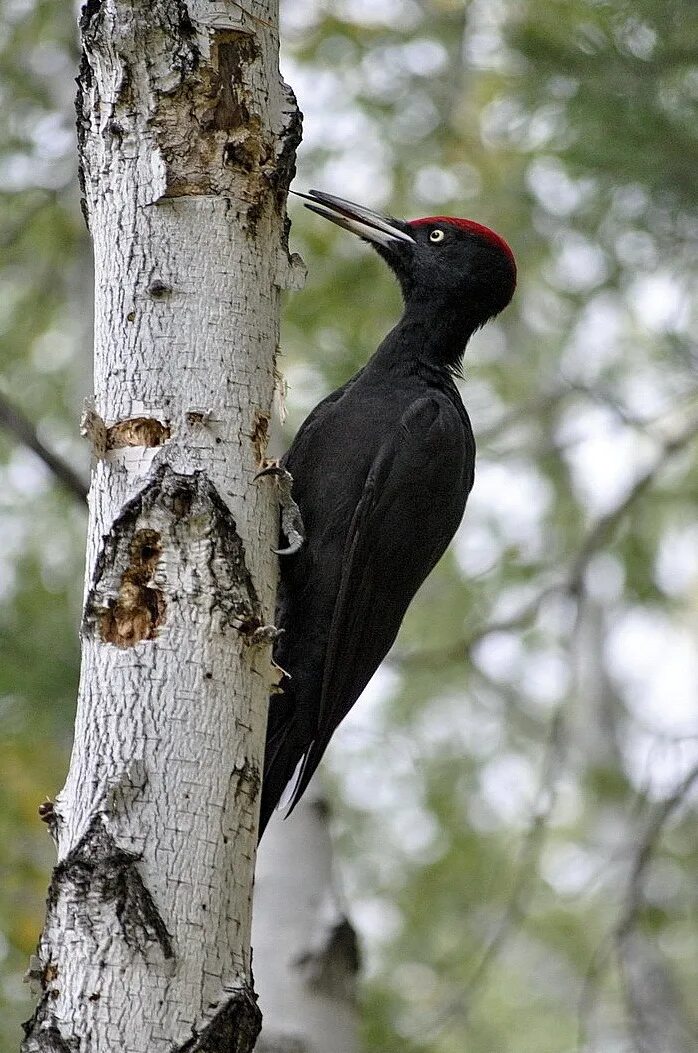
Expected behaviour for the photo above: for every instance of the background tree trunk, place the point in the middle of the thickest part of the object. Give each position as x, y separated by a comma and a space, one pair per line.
187, 140
305, 949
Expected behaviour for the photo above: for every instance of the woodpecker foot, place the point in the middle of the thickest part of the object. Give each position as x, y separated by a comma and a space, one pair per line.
291, 521
47, 812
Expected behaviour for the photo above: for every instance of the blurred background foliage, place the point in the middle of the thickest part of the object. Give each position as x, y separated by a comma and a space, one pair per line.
516, 794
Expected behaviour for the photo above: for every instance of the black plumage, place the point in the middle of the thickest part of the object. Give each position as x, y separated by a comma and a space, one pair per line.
381, 469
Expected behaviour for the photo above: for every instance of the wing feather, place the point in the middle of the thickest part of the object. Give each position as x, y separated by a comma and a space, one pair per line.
412, 502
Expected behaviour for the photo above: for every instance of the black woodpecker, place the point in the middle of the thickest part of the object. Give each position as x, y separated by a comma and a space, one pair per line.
381, 470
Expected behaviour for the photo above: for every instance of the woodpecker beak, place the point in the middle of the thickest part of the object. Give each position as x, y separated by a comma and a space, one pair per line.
371, 226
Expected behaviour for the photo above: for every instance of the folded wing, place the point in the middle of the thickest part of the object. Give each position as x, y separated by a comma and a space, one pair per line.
412, 503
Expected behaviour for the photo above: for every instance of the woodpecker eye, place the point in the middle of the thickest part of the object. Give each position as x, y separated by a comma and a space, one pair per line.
436, 235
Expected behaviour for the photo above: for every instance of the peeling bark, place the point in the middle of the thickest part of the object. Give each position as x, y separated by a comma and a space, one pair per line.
139, 431
187, 141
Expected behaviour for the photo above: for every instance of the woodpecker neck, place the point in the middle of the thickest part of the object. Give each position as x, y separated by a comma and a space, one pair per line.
433, 333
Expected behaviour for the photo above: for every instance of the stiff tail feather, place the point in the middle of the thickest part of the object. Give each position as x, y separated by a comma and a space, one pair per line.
285, 761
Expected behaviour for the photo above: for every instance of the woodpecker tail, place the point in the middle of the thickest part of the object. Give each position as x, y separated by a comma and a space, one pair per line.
285, 754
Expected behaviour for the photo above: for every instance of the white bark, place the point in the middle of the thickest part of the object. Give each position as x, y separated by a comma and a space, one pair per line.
305, 952
187, 140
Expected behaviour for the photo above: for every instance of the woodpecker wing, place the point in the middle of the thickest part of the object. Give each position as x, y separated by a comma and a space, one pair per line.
412, 503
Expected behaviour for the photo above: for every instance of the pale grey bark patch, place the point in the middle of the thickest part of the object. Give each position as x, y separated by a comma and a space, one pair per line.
161, 26
173, 515
233, 1029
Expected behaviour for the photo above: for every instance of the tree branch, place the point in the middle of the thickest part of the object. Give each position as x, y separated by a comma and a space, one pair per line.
17, 424
646, 848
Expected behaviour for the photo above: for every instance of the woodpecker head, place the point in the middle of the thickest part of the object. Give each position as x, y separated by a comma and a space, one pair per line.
441, 263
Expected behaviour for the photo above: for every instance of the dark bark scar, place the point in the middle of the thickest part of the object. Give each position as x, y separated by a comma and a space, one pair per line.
332, 968
234, 1028
95, 880
140, 606
260, 435
99, 874
184, 517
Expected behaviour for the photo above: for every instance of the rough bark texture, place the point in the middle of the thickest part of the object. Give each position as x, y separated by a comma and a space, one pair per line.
187, 140
305, 950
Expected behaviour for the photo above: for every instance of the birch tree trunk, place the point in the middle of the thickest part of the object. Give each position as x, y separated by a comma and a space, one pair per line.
187, 140
305, 949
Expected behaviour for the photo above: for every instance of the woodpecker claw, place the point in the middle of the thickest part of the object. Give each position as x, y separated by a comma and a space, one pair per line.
290, 549
291, 520
272, 468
